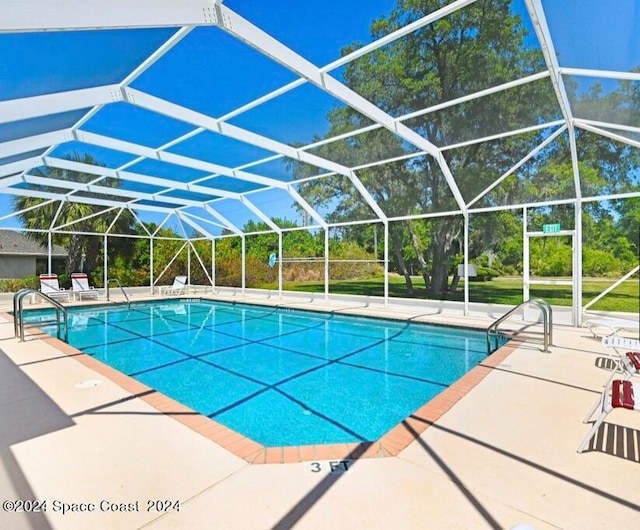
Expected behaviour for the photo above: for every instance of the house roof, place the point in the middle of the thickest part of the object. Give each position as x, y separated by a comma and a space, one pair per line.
17, 244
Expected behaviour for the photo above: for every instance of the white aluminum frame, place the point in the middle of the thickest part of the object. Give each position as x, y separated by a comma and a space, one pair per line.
185, 15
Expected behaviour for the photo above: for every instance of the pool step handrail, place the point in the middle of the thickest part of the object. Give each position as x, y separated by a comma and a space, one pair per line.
121, 288
547, 320
18, 310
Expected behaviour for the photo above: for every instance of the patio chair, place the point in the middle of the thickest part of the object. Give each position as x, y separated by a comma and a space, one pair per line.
179, 286
624, 394
627, 364
80, 287
49, 285
613, 326
626, 357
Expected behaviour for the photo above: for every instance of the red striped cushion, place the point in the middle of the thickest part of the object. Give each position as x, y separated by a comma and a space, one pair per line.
622, 394
634, 359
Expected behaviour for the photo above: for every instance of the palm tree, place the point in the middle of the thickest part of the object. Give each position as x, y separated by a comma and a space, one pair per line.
78, 244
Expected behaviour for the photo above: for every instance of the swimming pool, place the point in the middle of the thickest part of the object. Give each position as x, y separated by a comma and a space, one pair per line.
278, 376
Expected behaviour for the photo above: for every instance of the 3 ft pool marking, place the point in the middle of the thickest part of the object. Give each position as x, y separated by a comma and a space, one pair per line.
330, 466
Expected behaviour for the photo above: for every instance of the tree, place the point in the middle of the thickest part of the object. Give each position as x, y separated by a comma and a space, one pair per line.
77, 244
477, 47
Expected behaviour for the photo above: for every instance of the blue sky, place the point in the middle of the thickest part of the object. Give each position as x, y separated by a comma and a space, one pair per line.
214, 73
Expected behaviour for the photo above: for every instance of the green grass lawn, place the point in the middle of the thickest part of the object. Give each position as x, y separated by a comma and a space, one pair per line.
506, 291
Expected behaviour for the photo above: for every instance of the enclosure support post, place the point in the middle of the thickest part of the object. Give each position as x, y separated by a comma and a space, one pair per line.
466, 264
106, 263
525, 256
49, 251
151, 265
375, 240
386, 264
213, 265
577, 266
189, 266
244, 262
280, 265
326, 263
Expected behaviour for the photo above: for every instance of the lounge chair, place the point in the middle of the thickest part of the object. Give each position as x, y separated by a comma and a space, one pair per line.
80, 287
49, 285
628, 355
612, 326
624, 394
179, 286
626, 363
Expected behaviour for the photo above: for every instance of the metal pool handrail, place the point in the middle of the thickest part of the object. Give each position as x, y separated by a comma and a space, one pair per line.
18, 320
121, 288
547, 320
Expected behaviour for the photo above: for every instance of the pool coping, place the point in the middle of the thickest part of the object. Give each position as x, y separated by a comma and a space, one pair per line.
389, 445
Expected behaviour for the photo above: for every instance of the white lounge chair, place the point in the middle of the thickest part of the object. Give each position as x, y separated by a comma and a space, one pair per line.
179, 286
624, 394
49, 285
80, 287
620, 343
611, 326
626, 362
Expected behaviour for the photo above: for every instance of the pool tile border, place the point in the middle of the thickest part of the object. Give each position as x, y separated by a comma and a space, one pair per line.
390, 445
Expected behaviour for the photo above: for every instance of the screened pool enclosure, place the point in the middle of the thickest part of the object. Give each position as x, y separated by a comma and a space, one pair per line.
289, 141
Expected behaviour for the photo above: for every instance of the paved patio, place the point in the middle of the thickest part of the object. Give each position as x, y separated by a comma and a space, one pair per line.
503, 455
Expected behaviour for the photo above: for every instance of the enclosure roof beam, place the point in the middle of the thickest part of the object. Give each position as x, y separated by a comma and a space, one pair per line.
155, 104
13, 170
514, 132
25, 210
81, 200
123, 175
244, 200
40, 141
519, 164
307, 207
97, 189
86, 217
609, 125
173, 110
172, 158
34, 143
360, 52
157, 54
237, 26
203, 220
106, 191
44, 105
606, 74
536, 12
186, 219
608, 134
33, 15
376, 126
71, 165
228, 224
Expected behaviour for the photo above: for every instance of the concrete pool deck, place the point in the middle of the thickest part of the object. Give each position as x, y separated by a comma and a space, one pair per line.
503, 454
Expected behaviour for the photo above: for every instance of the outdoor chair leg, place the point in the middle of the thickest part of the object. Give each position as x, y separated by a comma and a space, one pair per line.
618, 368
622, 395
606, 409
592, 410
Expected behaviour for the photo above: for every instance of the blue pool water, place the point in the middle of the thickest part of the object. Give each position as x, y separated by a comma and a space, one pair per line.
279, 376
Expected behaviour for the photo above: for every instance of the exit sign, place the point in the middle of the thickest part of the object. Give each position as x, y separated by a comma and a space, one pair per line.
551, 229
